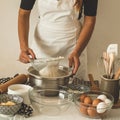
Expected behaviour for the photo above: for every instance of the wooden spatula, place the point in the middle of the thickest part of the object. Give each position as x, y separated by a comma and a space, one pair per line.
117, 74
93, 85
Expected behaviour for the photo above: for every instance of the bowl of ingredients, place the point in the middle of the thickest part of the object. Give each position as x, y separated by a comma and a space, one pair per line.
10, 104
50, 102
49, 68
48, 73
94, 104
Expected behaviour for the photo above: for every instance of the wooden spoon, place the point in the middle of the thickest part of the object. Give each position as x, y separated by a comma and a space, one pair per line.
117, 74
106, 60
111, 63
93, 85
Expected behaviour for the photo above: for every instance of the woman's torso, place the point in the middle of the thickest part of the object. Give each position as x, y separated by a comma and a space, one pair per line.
58, 27
57, 31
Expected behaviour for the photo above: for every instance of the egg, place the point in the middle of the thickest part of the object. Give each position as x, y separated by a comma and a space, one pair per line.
96, 101
82, 97
92, 112
87, 100
83, 109
108, 102
102, 97
101, 107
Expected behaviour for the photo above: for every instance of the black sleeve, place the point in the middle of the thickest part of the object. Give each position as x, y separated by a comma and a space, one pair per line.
27, 4
90, 7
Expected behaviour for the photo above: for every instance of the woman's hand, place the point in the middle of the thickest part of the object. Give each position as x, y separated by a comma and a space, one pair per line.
74, 61
26, 55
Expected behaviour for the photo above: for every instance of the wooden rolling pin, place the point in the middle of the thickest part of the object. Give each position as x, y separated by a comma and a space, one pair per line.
20, 79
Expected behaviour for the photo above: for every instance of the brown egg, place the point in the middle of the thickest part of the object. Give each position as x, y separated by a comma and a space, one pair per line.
96, 101
87, 100
82, 97
83, 109
92, 112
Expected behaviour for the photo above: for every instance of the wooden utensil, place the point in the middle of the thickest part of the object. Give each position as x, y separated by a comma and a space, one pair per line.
111, 63
20, 79
93, 85
117, 74
106, 60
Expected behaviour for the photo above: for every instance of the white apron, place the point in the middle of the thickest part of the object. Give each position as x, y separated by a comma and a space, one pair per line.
57, 32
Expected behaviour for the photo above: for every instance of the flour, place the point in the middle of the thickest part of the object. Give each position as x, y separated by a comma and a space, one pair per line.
51, 70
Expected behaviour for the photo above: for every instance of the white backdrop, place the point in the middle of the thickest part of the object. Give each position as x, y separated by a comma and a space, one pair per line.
9, 43
107, 30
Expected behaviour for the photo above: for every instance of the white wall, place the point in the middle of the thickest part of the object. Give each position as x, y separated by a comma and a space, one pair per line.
8, 38
107, 31
9, 43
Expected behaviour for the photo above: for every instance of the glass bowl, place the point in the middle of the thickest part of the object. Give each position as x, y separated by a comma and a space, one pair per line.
94, 104
50, 102
10, 104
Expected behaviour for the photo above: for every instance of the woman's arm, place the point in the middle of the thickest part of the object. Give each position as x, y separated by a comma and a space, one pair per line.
84, 37
23, 33
23, 28
86, 32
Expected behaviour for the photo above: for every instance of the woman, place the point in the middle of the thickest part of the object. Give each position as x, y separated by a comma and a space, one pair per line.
59, 31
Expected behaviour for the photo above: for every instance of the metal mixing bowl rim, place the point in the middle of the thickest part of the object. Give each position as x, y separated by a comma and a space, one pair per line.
52, 78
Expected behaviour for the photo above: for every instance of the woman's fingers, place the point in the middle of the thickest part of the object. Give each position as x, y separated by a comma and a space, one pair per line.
70, 62
74, 63
26, 56
32, 55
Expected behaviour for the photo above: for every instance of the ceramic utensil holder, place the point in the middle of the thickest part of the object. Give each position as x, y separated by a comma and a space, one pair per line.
111, 86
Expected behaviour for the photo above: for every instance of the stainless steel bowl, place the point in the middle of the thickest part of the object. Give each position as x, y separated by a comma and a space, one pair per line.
48, 83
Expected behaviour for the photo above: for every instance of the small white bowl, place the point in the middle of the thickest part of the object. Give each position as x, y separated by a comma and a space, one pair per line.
21, 90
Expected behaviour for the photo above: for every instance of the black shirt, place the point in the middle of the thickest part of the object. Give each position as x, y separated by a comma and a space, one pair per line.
89, 6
